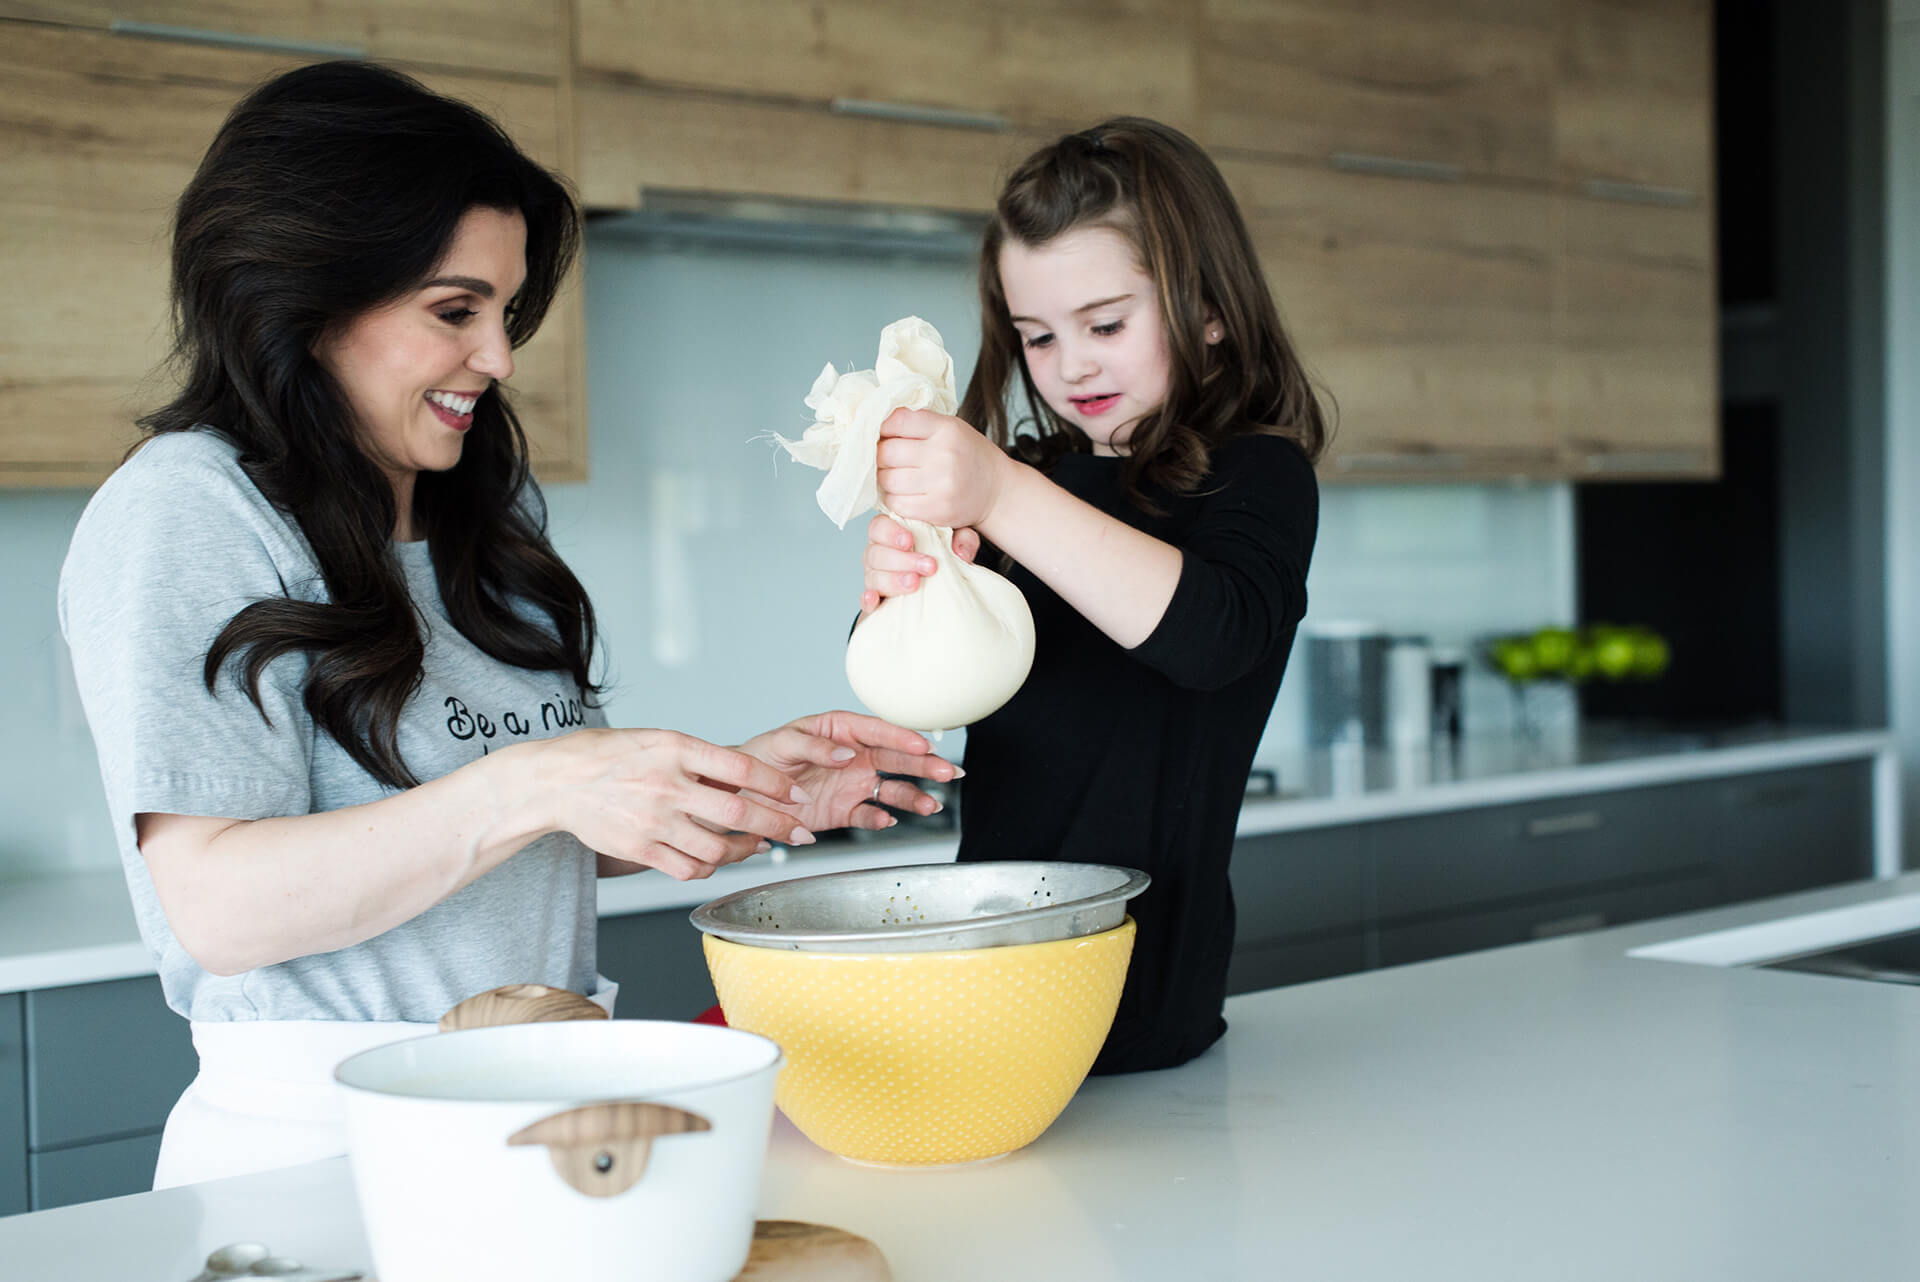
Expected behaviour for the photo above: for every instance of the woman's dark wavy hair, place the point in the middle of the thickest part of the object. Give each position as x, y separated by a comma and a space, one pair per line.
1156, 187
330, 191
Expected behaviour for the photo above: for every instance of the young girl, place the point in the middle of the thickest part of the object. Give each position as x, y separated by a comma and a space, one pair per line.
1159, 516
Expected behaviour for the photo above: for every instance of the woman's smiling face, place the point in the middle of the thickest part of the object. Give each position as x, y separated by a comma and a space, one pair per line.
1089, 322
413, 369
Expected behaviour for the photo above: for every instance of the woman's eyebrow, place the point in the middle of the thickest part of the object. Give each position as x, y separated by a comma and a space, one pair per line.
1084, 307
472, 284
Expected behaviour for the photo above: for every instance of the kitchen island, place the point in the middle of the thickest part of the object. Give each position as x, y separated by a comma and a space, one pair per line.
1561, 1109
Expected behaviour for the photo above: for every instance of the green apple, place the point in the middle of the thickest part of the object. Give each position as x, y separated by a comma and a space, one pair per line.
1514, 657
1650, 653
1581, 664
1553, 649
1613, 652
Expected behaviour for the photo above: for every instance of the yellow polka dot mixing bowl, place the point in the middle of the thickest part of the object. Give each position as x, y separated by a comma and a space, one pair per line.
920, 1050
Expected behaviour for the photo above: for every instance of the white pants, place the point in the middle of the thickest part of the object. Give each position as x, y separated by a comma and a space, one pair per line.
265, 1095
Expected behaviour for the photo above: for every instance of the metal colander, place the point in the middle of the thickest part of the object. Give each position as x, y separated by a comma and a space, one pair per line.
926, 908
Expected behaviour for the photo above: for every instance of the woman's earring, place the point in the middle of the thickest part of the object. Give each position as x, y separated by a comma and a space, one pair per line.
1213, 334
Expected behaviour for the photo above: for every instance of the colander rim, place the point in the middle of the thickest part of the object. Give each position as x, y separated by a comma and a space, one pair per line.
708, 917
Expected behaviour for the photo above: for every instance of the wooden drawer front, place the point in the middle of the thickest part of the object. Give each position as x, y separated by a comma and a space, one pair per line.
633, 137
1636, 329
1425, 307
103, 1061
1045, 61
657, 961
1633, 93
1470, 932
13, 1108
498, 35
1481, 857
1790, 830
88, 1172
1460, 83
1287, 885
101, 134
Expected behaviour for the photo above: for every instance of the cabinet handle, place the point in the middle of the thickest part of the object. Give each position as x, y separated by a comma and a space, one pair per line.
1640, 193
1408, 461
914, 114
1780, 794
1358, 162
1569, 925
231, 39
1642, 460
1560, 825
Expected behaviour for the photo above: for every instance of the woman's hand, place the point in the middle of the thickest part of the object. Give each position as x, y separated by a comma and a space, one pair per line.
893, 568
837, 758
938, 469
660, 799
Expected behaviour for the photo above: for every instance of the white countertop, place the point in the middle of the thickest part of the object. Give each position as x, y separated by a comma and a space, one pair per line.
78, 928
1556, 1110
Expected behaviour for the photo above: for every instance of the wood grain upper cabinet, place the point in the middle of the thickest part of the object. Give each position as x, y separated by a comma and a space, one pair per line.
633, 138
526, 38
1636, 353
1633, 95
1057, 63
1637, 303
1423, 308
1465, 85
102, 133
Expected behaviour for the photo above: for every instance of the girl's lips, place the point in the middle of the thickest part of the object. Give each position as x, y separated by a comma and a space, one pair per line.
1096, 404
458, 422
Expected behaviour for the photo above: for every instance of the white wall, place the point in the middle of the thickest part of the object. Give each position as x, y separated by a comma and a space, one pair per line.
723, 593
726, 594
1903, 402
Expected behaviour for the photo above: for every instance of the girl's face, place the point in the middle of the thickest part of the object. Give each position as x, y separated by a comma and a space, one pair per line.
1089, 320
413, 368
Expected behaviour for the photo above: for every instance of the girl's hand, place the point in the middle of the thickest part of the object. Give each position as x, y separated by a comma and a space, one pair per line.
893, 568
838, 757
938, 469
664, 800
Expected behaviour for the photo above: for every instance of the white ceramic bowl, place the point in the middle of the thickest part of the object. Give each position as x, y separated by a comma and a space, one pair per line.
444, 1195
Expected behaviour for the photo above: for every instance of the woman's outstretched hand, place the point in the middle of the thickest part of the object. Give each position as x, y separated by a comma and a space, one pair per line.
838, 758
660, 799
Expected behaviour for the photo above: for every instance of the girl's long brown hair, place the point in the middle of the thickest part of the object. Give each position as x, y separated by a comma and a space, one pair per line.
332, 190
1155, 186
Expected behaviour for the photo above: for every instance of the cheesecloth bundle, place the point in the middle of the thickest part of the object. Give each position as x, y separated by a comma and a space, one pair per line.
956, 649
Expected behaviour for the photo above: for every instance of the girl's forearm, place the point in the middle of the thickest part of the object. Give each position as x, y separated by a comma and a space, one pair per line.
1119, 578
240, 894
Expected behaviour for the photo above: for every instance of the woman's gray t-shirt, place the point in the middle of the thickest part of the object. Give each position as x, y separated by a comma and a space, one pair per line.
175, 543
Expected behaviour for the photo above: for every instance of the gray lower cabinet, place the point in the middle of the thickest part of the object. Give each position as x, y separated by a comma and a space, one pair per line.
1331, 901
104, 1064
1469, 932
657, 961
88, 1172
13, 1107
1790, 830
1301, 906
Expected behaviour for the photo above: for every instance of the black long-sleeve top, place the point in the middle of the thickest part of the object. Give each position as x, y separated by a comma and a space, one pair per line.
1140, 757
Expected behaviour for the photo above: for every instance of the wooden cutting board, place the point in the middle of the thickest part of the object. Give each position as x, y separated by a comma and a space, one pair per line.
791, 1251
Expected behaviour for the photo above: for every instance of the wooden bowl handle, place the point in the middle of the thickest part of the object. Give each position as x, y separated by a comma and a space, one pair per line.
601, 1149
519, 1004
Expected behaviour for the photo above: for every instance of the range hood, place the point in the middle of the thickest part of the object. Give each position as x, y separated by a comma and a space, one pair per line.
685, 219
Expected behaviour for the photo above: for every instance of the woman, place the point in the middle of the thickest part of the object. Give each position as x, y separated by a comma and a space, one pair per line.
337, 677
